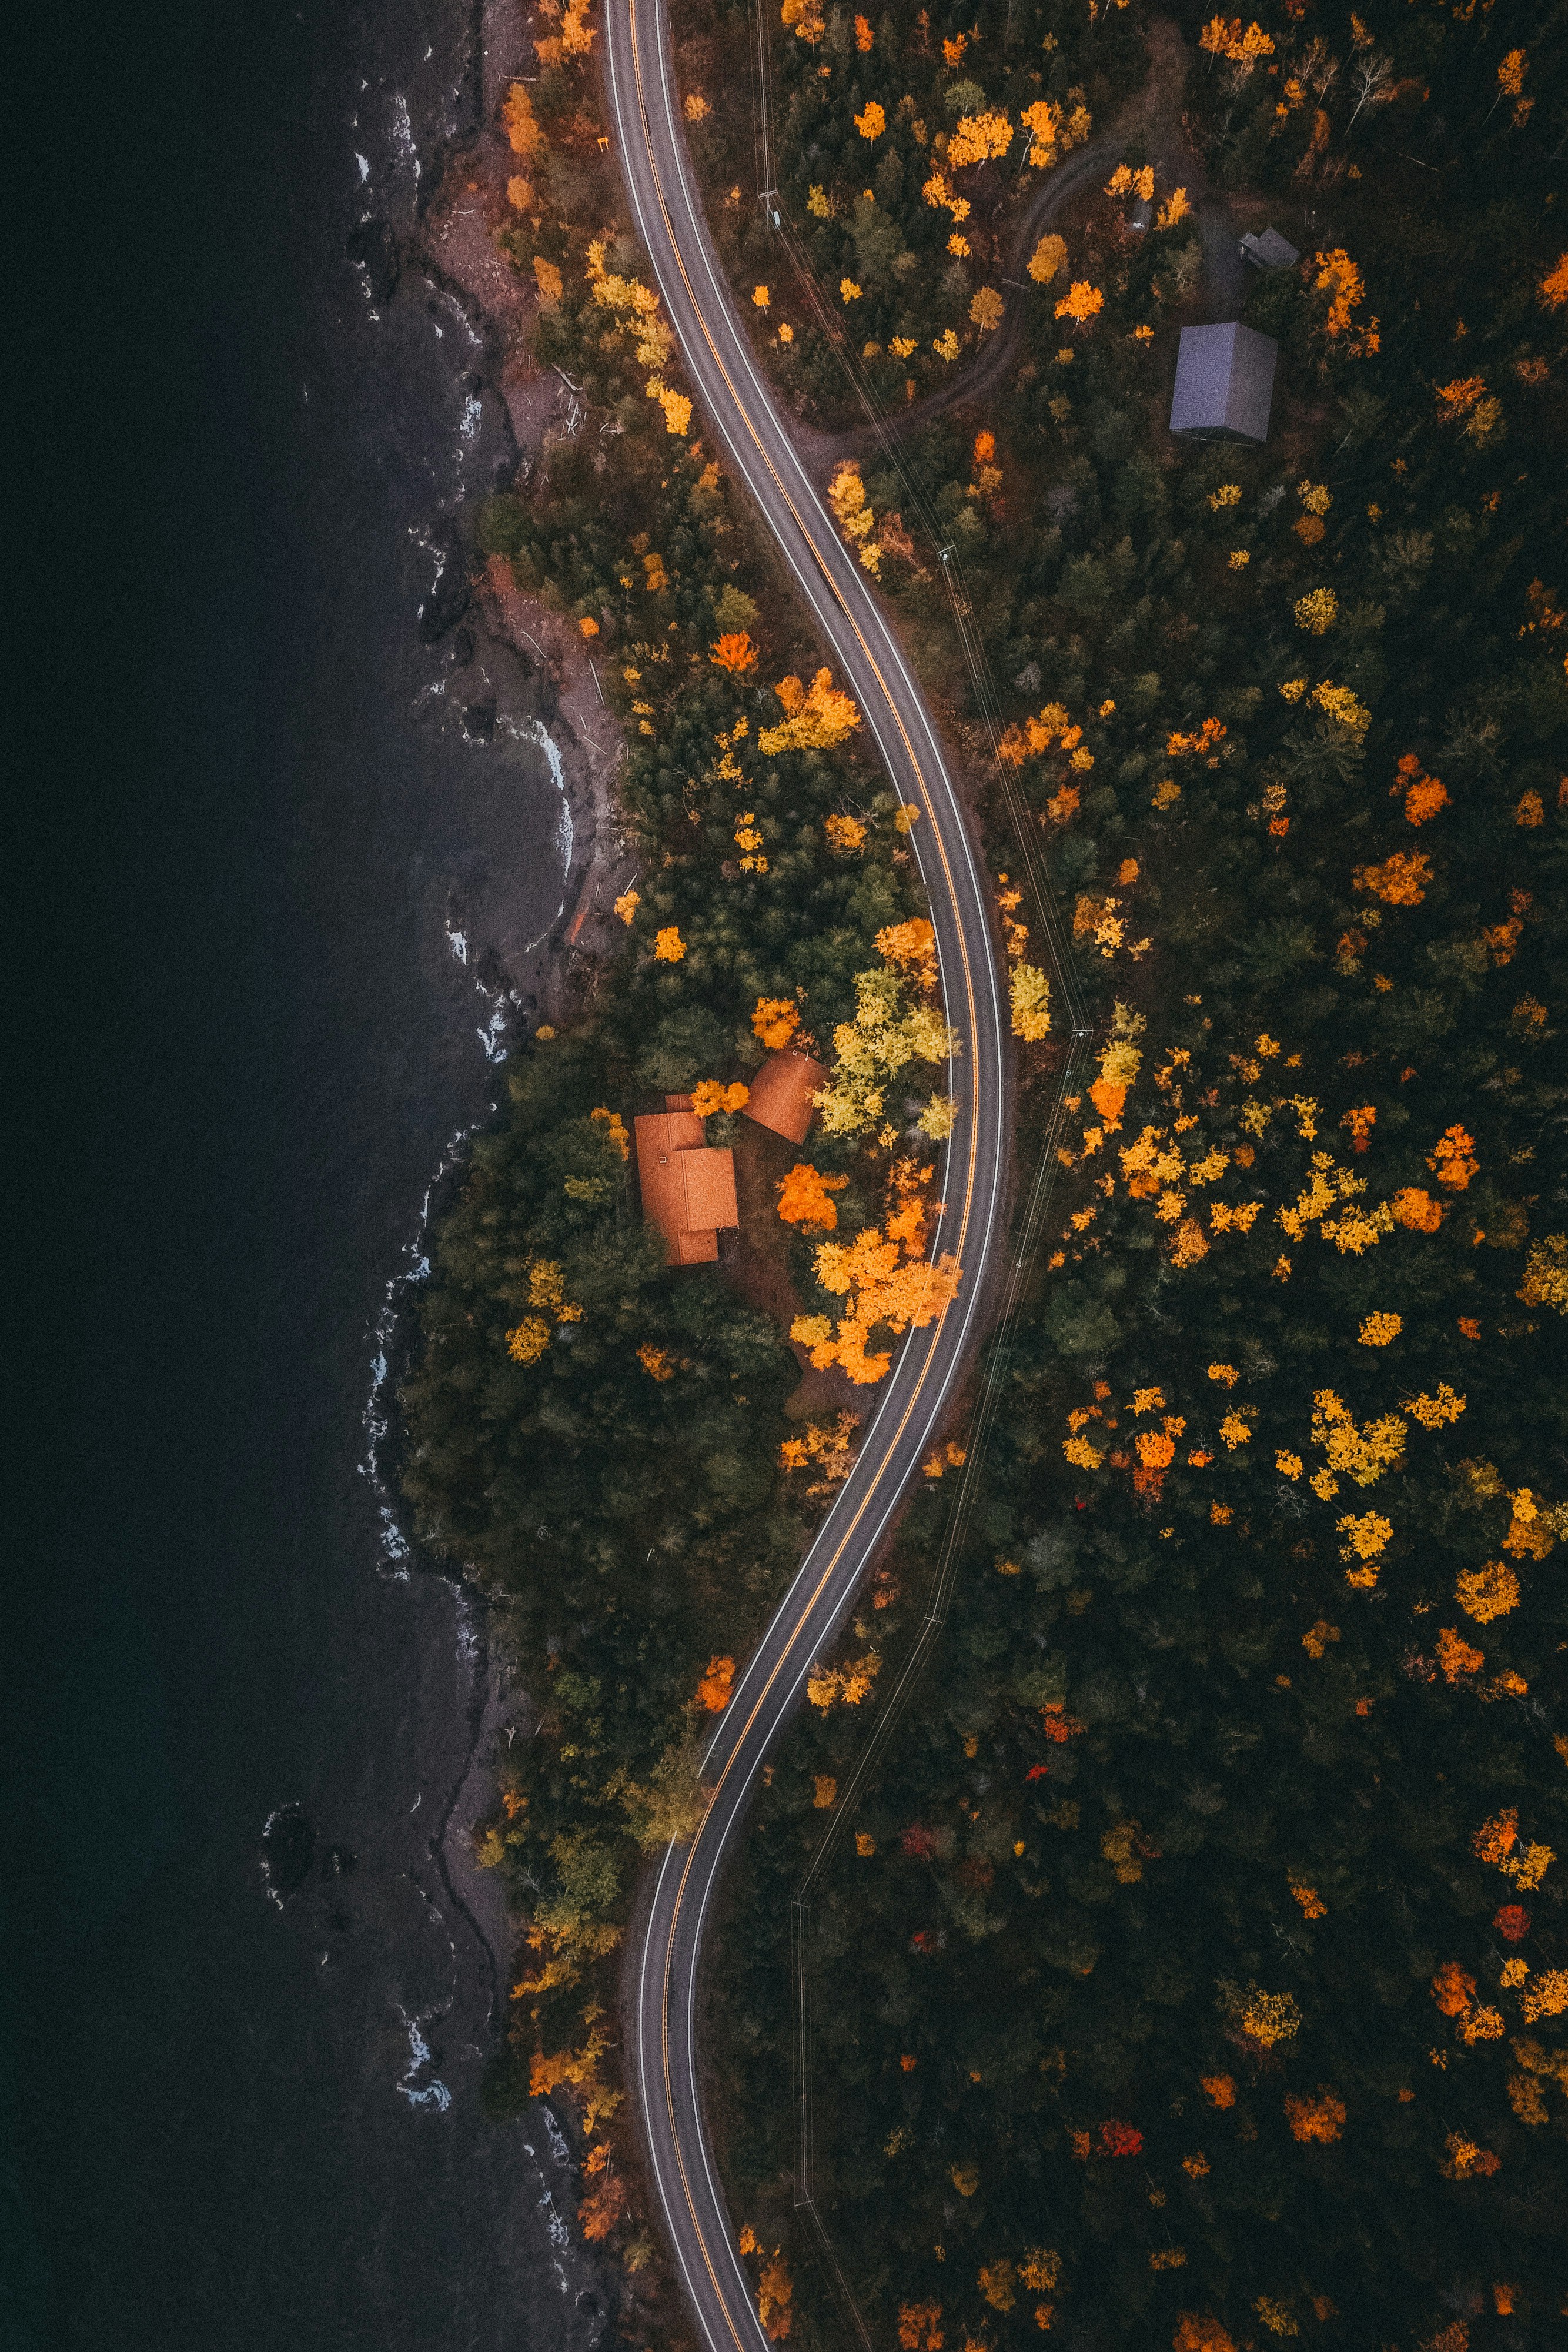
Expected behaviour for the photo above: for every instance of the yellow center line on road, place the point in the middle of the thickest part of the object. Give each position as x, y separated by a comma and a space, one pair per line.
874, 1483
800, 524
736, 1746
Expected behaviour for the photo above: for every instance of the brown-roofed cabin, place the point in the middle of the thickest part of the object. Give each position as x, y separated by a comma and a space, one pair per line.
781, 1094
688, 1189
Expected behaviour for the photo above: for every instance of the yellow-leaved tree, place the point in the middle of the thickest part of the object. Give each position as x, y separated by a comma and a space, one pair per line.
546, 1295
1362, 1454
817, 717
978, 137
580, 2070
1030, 1003
887, 1035
571, 1927
671, 1801
575, 38
887, 1282
847, 500
1119, 1065
523, 133
1047, 259
637, 306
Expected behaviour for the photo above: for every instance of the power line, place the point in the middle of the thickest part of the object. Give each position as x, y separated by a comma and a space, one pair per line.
995, 1375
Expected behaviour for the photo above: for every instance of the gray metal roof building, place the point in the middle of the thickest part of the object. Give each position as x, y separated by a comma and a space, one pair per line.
1223, 383
1270, 251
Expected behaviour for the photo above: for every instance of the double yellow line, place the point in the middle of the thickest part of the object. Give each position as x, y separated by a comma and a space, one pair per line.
799, 520
809, 1607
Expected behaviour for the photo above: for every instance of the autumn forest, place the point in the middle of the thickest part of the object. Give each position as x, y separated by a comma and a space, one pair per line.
1188, 1965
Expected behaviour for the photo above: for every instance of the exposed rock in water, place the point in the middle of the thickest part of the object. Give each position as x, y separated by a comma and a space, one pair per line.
447, 600
373, 246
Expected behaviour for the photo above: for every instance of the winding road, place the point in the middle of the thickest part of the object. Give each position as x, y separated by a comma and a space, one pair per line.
744, 418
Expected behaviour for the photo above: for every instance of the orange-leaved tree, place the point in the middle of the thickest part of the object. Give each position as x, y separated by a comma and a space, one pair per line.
883, 1292
523, 133
714, 1689
825, 1448
734, 651
1423, 795
1321, 2118
1047, 259
803, 1197
920, 2327
575, 39
1341, 281
911, 946
1201, 2332
1080, 303
1400, 881
1452, 1159
580, 2072
605, 2202
775, 1021
711, 1094
774, 2291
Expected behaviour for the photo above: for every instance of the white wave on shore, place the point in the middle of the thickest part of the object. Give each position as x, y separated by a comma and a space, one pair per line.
432, 2094
534, 730
375, 1420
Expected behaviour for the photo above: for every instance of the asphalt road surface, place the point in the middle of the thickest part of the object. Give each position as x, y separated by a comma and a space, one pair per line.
742, 416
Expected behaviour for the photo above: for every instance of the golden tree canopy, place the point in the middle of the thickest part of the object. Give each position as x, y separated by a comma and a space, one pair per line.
978, 137
1047, 260
886, 1035
883, 1290
1082, 302
817, 718
523, 133
775, 1021
1030, 992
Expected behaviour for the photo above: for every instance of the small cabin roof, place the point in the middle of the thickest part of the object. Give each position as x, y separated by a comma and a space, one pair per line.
1224, 382
1269, 250
687, 1187
781, 1094
710, 1188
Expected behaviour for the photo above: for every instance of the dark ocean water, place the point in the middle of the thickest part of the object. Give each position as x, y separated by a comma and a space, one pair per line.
242, 2114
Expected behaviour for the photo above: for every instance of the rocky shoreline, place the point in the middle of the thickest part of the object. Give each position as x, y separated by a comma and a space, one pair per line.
511, 665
